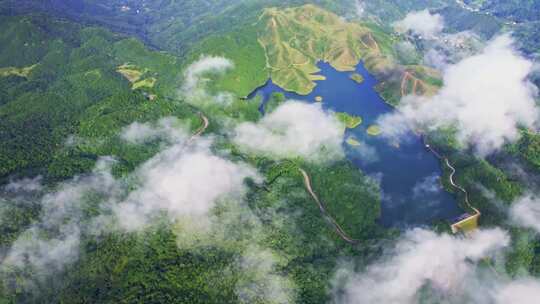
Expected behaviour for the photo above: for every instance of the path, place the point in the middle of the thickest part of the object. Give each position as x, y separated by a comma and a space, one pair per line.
322, 208
201, 130
451, 177
416, 83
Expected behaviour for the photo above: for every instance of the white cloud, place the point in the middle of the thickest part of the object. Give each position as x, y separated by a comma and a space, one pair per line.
422, 257
525, 212
485, 97
360, 8
451, 48
260, 281
406, 52
52, 242
25, 184
182, 180
169, 128
366, 153
421, 23
428, 185
523, 291
205, 65
293, 129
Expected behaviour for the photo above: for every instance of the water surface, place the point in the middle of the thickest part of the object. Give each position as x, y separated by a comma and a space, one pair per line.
409, 174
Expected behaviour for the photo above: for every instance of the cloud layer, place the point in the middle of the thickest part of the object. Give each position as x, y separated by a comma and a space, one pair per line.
205, 65
525, 212
421, 23
422, 258
293, 129
167, 128
182, 180
486, 97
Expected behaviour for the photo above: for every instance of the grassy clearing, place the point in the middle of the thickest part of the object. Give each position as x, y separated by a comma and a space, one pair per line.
145, 83
130, 72
13, 71
134, 75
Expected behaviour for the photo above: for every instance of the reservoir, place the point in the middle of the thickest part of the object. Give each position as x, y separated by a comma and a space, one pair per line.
409, 174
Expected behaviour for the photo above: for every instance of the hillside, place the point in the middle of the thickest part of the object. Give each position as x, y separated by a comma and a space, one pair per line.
295, 39
53, 74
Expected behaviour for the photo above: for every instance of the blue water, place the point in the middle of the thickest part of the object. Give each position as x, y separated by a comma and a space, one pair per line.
409, 174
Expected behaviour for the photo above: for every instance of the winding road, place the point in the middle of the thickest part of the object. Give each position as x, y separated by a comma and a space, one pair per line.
201, 130
322, 208
451, 177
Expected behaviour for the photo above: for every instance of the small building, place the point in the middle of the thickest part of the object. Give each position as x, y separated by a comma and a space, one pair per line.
466, 223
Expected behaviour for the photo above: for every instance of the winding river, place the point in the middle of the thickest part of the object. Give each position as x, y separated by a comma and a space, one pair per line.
409, 174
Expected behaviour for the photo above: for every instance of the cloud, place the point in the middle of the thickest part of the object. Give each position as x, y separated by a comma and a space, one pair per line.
406, 52
186, 179
450, 48
260, 281
182, 180
525, 212
293, 129
428, 185
523, 291
25, 185
486, 97
52, 241
360, 8
366, 153
193, 76
168, 128
421, 23
421, 259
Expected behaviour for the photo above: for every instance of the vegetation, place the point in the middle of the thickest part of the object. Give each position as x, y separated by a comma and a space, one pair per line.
241, 47
295, 39
275, 101
350, 121
66, 86
352, 141
374, 130
357, 78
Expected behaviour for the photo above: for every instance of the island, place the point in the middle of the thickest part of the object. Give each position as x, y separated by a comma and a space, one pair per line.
318, 98
357, 78
374, 130
350, 121
352, 141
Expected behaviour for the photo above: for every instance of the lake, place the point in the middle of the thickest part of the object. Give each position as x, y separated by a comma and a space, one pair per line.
409, 174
